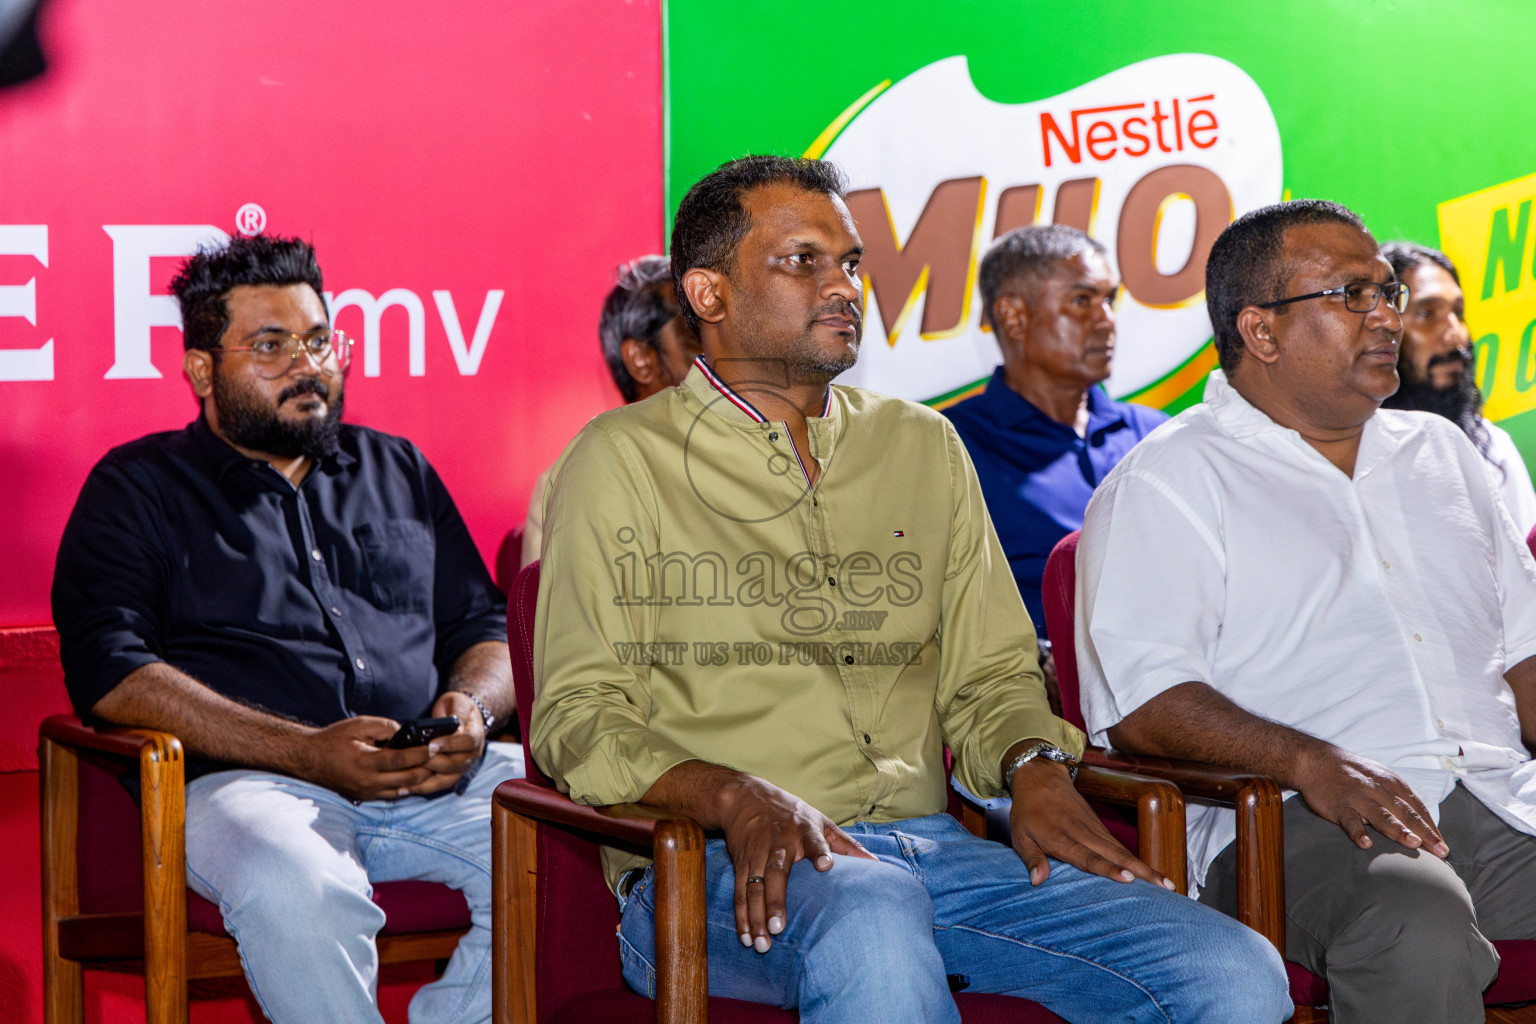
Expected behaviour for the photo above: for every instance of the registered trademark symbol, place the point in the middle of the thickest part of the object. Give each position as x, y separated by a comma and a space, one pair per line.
250, 219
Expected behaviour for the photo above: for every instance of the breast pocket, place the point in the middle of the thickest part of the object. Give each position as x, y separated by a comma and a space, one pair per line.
398, 556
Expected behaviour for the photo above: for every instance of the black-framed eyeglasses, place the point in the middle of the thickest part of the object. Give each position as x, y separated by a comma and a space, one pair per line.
1359, 296
275, 354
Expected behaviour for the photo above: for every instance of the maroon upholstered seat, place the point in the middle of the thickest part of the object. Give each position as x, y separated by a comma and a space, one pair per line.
1516, 982
509, 558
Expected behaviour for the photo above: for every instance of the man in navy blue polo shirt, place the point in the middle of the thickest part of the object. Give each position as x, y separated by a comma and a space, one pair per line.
1043, 434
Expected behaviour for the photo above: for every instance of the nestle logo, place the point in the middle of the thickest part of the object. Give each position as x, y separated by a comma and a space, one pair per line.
1130, 129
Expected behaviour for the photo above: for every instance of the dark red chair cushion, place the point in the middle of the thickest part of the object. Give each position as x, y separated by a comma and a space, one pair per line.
1516, 982
522, 606
1307, 989
1058, 592
508, 558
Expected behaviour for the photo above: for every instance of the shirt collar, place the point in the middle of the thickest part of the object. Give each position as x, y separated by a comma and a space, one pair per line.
1009, 408
1235, 414
1241, 419
716, 394
221, 455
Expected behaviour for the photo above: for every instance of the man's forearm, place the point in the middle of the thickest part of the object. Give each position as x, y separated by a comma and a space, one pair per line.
699, 790
1195, 722
485, 670
208, 724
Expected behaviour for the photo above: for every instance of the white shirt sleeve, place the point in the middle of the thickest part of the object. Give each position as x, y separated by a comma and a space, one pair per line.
1150, 592
1512, 479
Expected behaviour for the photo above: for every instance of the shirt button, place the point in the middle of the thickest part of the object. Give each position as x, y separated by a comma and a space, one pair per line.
848, 659
1386, 564
335, 610
315, 554
360, 665
774, 436
1439, 724
867, 739
1417, 639
831, 581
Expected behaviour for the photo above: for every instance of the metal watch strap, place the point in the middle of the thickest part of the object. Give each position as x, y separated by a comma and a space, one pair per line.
485, 712
1048, 751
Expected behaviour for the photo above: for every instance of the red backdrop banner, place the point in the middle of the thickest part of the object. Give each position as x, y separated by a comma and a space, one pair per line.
468, 173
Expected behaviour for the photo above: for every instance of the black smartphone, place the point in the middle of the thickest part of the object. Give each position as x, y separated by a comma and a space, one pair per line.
418, 731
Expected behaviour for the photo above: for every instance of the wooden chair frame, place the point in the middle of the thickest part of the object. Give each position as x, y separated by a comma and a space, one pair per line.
158, 936
676, 844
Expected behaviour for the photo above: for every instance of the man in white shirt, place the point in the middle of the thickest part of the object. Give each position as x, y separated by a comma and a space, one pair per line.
1436, 366
1285, 580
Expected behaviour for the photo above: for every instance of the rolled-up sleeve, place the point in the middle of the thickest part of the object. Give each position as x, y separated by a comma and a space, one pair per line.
1150, 589
591, 712
991, 694
109, 585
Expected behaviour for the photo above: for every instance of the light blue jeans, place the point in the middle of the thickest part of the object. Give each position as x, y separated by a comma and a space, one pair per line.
875, 940
291, 865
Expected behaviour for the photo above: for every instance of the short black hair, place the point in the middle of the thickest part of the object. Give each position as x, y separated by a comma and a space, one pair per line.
712, 219
205, 279
1028, 254
639, 306
1247, 264
1404, 256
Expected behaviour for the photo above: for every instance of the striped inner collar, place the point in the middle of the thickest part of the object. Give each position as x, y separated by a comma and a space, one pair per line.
738, 401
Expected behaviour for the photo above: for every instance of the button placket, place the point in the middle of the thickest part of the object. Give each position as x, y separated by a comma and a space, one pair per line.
330, 601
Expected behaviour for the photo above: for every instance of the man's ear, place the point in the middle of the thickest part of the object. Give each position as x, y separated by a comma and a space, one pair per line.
198, 365
1257, 329
641, 360
707, 291
1010, 318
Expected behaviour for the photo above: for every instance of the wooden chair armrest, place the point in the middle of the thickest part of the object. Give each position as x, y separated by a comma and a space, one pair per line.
69, 731
1260, 841
1159, 816
1195, 778
675, 843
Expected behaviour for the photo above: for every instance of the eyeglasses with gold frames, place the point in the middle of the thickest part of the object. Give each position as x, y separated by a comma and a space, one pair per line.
274, 354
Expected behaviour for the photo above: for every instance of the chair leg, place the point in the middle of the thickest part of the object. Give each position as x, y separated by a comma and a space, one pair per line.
63, 980
514, 894
1261, 861
163, 809
682, 953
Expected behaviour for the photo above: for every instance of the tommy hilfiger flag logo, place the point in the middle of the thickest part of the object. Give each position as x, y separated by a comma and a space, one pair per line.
898, 533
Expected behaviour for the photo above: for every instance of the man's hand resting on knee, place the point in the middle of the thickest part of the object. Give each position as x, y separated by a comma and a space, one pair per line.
1050, 819
1354, 791
766, 831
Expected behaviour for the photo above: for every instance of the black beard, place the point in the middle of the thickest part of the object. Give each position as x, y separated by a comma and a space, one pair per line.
1461, 403
247, 422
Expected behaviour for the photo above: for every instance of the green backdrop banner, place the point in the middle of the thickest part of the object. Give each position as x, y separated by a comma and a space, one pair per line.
1151, 126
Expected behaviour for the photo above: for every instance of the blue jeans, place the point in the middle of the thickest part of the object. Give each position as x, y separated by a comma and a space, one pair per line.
875, 939
291, 865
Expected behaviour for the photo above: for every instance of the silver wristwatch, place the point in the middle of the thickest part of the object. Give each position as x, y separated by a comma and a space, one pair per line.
485, 712
1046, 750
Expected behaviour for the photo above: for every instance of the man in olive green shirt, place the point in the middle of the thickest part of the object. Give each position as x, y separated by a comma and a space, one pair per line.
770, 604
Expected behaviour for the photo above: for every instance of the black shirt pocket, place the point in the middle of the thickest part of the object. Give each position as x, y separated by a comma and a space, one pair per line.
397, 556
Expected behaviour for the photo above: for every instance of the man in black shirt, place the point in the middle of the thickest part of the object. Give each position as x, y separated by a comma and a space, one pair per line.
281, 591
